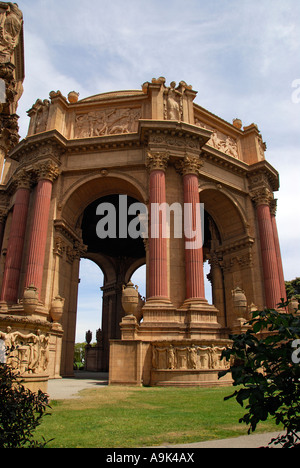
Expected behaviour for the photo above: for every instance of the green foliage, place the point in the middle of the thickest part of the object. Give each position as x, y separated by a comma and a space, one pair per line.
79, 355
293, 288
262, 364
21, 412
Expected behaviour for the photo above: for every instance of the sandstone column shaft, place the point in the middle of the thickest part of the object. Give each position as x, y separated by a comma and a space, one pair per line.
158, 268
14, 254
193, 257
279, 258
47, 172
269, 257
38, 238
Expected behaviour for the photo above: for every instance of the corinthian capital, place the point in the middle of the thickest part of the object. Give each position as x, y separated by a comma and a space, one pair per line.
47, 170
190, 165
157, 161
262, 196
22, 180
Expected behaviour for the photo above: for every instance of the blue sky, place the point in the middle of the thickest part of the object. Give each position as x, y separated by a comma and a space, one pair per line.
242, 57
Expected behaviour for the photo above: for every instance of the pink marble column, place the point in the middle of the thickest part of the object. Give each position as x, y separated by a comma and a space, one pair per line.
194, 256
158, 267
278, 251
37, 244
14, 255
268, 250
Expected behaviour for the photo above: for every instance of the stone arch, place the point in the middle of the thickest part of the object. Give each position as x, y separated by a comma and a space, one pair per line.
91, 187
228, 247
225, 211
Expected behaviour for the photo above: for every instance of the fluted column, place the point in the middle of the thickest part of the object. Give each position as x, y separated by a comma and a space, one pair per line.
158, 267
262, 199
190, 168
14, 255
273, 209
3, 216
47, 172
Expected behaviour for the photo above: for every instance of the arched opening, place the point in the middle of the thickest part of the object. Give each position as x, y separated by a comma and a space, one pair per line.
105, 231
89, 308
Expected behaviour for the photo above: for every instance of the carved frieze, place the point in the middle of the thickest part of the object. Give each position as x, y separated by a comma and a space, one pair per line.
220, 141
28, 353
107, 122
187, 357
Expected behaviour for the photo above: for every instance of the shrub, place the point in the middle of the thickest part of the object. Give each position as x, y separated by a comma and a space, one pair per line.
21, 411
263, 363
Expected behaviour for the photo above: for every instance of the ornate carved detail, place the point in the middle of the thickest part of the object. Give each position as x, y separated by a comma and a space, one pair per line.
41, 109
22, 179
220, 141
9, 131
190, 165
47, 170
59, 246
11, 20
173, 102
193, 357
273, 207
107, 122
237, 254
157, 161
29, 353
262, 196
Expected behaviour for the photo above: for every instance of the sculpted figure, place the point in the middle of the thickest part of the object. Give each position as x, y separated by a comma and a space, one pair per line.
11, 20
173, 99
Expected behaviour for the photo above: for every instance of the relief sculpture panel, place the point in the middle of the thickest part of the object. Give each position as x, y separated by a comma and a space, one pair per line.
195, 357
27, 353
220, 141
107, 122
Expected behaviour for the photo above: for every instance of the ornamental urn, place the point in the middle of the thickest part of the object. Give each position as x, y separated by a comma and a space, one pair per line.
239, 301
30, 299
130, 298
57, 308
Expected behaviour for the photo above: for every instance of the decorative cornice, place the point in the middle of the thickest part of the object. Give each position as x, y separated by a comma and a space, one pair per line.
157, 161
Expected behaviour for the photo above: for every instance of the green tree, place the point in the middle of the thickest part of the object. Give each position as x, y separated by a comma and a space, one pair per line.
265, 365
79, 355
21, 412
293, 288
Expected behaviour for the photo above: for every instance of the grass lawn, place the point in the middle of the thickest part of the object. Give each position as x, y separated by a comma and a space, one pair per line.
115, 417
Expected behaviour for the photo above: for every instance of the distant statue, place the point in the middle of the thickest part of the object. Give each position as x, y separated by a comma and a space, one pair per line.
173, 106
88, 337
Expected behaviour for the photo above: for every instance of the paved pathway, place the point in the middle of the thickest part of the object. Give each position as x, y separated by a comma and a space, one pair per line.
69, 388
66, 389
